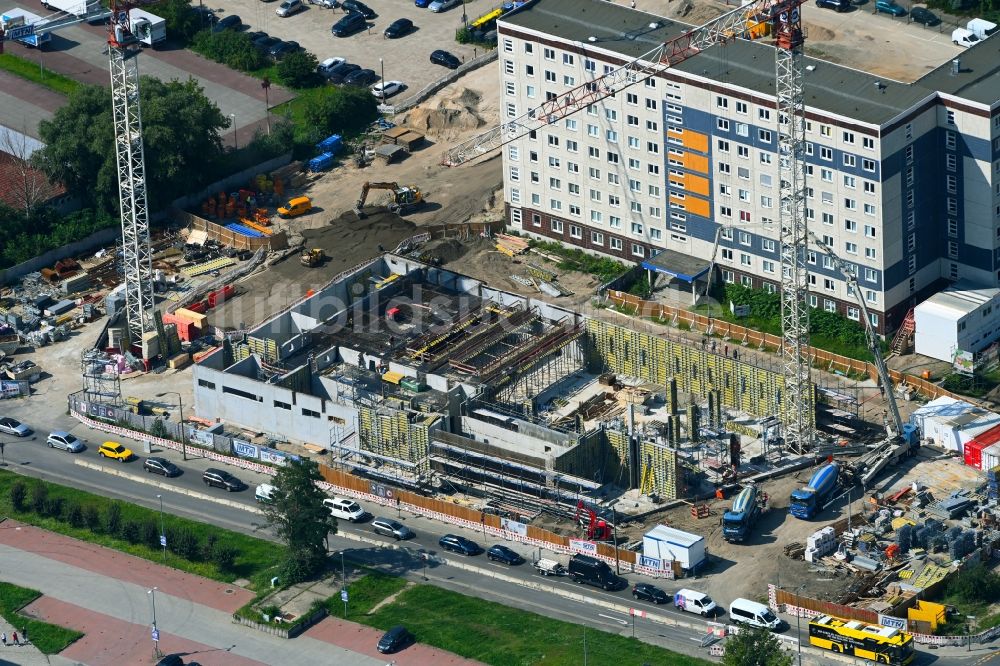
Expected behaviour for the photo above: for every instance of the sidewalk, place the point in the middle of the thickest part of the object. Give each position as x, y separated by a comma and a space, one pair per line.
25, 654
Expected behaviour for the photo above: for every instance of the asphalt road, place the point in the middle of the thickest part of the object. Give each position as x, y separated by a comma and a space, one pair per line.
128, 481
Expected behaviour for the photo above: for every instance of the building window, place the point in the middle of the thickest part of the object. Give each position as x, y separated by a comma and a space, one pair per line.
868, 165
868, 142
851, 248
638, 250
722, 124
549, 54
615, 243
825, 153
870, 253
721, 102
764, 136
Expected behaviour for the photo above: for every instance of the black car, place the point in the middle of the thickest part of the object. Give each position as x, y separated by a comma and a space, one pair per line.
395, 639
349, 25
459, 544
221, 479
648, 592
357, 7
265, 42
255, 35
504, 554
924, 16
398, 28
281, 49
361, 77
161, 466
838, 5
444, 58
340, 72
231, 22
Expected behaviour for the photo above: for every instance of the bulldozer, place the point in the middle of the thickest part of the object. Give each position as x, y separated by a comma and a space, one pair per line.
404, 199
313, 257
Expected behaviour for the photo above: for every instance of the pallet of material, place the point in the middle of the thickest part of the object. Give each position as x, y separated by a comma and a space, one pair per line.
180, 361
511, 245
393, 133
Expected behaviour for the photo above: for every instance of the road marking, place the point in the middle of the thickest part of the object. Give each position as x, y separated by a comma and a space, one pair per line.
624, 623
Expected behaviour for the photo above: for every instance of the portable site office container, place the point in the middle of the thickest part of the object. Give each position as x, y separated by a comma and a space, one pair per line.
667, 544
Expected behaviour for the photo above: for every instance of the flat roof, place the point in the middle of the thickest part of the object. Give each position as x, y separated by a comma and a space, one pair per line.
677, 264
748, 64
978, 78
957, 302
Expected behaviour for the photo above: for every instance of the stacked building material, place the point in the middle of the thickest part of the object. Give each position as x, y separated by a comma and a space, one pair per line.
511, 245
820, 543
993, 482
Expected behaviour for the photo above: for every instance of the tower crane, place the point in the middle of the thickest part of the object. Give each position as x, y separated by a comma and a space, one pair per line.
798, 411
123, 47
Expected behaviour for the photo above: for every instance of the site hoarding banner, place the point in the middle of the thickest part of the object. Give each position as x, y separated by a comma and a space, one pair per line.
652, 562
581, 546
274, 456
890, 621
517, 528
245, 449
381, 491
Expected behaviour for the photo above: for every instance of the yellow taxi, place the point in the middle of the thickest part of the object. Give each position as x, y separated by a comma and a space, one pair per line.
115, 451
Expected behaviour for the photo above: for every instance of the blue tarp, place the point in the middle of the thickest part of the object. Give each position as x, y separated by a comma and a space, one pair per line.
330, 144
321, 162
246, 231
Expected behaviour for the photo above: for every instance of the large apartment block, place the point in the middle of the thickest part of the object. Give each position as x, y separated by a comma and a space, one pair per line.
903, 179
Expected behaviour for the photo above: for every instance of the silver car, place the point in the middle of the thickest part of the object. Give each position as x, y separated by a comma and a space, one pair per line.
14, 427
443, 5
392, 528
65, 441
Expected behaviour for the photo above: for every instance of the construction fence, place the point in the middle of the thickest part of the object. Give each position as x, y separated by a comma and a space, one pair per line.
276, 241
765, 341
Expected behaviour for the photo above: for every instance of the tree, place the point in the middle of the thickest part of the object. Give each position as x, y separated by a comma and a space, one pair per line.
29, 187
233, 49
754, 647
18, 496
180, 132
341, 110
298, 70
297, 517
183, 22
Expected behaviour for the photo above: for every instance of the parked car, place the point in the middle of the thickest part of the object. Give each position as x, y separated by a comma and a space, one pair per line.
399, 28
255, 35
838, 5
358, 7
648, 592
445, 59
422, 3
231, 22
361, 77
115, 451
340, 72
349, 24
65, 441
443, 5
218, 478
395, 639
162, 466
345, 509
265, 42
924, 16
12, 426
889, 7
963, 37
324, 67
264, 493
693, 601
281, 49
753, 614
289, 7
459, 544
386, 89
392, 528
503, 554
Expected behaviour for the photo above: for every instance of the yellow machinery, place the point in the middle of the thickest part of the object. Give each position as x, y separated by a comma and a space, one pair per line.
404, 199
313, 257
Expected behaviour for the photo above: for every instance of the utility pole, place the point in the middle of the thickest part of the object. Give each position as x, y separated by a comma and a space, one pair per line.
155, 633
163, 534
180, 408
614, 527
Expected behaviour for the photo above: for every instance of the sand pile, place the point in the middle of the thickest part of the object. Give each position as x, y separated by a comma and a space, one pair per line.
447, 117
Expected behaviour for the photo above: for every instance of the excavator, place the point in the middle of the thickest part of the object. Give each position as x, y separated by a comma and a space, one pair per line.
404, 199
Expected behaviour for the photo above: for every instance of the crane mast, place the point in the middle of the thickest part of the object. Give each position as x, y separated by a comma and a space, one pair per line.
123, 50
798, 401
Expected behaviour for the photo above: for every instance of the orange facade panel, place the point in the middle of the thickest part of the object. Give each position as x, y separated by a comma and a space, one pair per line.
695, 141
697, 206
696, 184
696, 163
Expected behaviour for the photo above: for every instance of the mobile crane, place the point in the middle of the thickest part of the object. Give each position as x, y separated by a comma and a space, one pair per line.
899, 440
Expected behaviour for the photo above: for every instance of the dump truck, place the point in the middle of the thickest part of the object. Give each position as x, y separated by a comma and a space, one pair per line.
741, 517
404, 199
313, 257
805, 502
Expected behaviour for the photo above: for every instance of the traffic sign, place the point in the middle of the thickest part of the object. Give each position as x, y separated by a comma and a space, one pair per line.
163, 540
155, 633
343, 596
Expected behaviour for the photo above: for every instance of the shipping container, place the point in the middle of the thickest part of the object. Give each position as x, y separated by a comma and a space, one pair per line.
991, 457
974, 449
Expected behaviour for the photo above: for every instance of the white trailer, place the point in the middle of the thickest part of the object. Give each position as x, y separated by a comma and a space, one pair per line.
17, 20
149, 28
74, 7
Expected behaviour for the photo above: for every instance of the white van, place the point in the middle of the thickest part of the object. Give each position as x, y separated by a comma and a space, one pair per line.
264, 493
694, 602
345, 509
753, 614
963, 37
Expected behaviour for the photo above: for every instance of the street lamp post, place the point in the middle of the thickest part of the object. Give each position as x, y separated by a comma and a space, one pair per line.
614, 527
180, 408
265, 83
163, 534
236, 146
155, 631
381, 66
798, 619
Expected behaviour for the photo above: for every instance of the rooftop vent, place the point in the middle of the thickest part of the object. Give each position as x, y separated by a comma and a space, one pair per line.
956, 66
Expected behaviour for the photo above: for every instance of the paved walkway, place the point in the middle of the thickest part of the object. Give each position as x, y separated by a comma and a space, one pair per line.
104, 594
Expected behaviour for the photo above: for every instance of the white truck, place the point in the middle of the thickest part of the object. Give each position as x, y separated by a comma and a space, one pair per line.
963, 37
981, 28
150, 29
75, 7
16, 21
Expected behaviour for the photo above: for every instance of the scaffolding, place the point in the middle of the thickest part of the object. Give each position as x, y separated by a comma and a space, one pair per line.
99, 386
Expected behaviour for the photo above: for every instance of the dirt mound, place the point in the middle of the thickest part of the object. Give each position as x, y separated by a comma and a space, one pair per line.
449, 249
447, 117
819, 33
349, 240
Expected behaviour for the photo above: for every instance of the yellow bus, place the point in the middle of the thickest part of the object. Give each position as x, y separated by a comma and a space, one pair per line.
883, 645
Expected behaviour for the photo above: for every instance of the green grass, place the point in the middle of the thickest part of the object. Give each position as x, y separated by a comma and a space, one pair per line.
502, 636
30, 71
48, 638
366, 593
256, 560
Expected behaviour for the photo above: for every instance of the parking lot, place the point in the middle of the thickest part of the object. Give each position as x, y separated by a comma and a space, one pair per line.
405, 59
